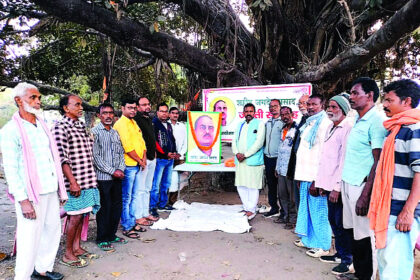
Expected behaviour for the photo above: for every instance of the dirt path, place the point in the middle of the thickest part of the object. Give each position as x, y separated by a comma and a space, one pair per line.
265, 253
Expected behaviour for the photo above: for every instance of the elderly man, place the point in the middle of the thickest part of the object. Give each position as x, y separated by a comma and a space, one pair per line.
312, 222
166, 153
180, 135
394, 211
33, 173
296, 140
75, 147
364, 145
204, 130
247, 146
272, 138
328, 179
220, 106
285, 185
134, 196
108, 158
144, 121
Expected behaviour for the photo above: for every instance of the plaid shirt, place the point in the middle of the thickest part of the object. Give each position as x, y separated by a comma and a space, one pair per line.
75, 148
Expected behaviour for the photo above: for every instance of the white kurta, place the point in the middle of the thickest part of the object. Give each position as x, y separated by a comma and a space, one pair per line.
245, 175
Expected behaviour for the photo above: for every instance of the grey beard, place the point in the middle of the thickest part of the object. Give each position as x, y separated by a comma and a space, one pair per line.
29, 109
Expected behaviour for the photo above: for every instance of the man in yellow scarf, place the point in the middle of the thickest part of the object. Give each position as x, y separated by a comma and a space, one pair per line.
394, 210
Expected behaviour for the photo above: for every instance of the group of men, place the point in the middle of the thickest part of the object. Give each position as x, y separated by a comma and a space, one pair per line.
121, 173
356, 177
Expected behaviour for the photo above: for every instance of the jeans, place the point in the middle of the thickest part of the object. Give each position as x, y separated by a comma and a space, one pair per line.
343, 237
396, 260
161, 183
108, 217
142, 210
130, 196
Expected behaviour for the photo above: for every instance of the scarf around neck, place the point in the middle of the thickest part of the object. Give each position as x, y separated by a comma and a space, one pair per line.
380, 202
311, 136
33, 184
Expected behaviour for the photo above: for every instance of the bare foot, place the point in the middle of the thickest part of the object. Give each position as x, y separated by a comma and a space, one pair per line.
79, 251
69, 257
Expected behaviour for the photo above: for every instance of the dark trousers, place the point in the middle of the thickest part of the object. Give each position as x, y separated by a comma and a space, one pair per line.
270, 166
343, 237
108, 216
362, 257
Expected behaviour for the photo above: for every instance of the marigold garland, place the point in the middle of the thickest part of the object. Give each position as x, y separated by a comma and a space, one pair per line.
201, 147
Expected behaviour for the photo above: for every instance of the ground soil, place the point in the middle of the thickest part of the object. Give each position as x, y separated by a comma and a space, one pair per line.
267, 252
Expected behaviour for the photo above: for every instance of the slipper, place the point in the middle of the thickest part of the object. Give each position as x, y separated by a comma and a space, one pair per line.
3, 256
138, 228
146, 223
75, 264
131, 234
152, 218
299, 243
119, 240
89, 256
106, 246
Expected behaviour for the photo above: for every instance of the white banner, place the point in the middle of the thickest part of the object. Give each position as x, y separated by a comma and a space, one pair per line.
230, 102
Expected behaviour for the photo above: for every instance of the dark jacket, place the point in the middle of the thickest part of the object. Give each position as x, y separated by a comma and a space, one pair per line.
165, 141
296, 141
146, 127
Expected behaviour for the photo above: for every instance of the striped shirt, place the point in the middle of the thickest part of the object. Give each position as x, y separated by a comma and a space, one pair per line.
108, 153
11, 147
75, 149
407, 161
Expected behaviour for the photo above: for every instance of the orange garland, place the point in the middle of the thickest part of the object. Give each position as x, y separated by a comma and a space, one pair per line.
204, 148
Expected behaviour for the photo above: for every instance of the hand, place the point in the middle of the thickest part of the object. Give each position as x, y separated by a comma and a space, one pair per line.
177, 156
63, 202
404, 221
142, 164
313, 190
240, 157
276, 174
171, 155
118, 174
75, 189
362, 205
334, 195
28, 210
321, 192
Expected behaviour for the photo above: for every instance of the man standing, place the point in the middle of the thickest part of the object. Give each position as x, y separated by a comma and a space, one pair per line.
329, 179
312, 222
394, 211
180, 135
166, 153
135, 160
34, 176
296, 140
364, 145
272, 138
108, 158
75, 148
220, 106
247, 146
285, 185
143, 120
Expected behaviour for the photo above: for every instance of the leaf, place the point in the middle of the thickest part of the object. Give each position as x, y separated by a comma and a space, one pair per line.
116, 274
107, 4
161, 18
152, 29
156, 26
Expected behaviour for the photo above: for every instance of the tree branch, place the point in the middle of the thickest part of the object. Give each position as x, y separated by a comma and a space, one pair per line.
404, 21
44, 89
127, 32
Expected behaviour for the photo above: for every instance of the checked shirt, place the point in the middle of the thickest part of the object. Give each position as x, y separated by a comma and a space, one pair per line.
75, 148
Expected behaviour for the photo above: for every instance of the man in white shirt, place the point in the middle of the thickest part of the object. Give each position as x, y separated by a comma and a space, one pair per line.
179, 131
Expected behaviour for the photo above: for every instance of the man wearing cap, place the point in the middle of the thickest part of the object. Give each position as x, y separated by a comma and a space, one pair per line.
328, 180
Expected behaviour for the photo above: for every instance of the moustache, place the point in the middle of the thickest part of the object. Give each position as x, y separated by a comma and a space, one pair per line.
387, 110
207, 135
108, 119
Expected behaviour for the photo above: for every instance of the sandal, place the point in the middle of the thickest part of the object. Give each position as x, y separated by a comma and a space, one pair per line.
131, 234
152, 218
145, 222
106, 246
89, 256
79, 263
119, 240
138, 228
